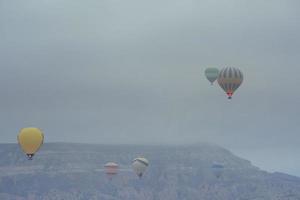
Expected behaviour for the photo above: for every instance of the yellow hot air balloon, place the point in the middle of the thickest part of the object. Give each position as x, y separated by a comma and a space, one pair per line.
30, 140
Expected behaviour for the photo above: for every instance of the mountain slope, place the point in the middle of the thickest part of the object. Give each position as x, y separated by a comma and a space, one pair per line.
75, 171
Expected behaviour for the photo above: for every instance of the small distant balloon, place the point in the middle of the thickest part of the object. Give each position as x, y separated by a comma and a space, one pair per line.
230, 79
111, 169
139, 166
217, 169
212, 74
30, 140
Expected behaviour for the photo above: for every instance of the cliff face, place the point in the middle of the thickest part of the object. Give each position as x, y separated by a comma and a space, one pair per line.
75, 171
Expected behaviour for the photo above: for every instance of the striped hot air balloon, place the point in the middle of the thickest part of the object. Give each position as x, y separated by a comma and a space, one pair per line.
230, 79
139, 166
111, 169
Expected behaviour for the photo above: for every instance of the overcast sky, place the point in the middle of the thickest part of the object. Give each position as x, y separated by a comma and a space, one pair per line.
115, 71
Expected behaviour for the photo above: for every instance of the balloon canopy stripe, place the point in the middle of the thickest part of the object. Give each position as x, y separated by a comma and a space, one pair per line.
141, 161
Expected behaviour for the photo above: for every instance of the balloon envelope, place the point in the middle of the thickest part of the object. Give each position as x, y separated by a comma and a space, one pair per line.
217, 169
111, 168
212, 74
139, 166
230, 79
30, 140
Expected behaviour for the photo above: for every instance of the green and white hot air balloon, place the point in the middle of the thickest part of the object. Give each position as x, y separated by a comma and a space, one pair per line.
212, 74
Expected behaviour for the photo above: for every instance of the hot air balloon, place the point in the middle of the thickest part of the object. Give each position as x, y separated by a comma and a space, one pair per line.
230, 79
30, 140
139, 166
217, 169
212, 74
111, 169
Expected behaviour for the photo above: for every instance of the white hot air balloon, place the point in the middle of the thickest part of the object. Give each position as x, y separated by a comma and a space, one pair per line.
139, 166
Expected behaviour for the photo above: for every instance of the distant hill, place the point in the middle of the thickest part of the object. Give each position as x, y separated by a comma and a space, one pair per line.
62, 171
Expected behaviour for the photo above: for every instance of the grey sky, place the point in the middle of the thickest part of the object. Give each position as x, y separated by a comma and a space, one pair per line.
114, 71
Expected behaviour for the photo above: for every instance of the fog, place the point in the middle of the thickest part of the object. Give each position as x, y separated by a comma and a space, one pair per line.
115, 72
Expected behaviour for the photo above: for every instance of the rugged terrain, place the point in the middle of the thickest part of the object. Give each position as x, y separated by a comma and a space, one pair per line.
62, 171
